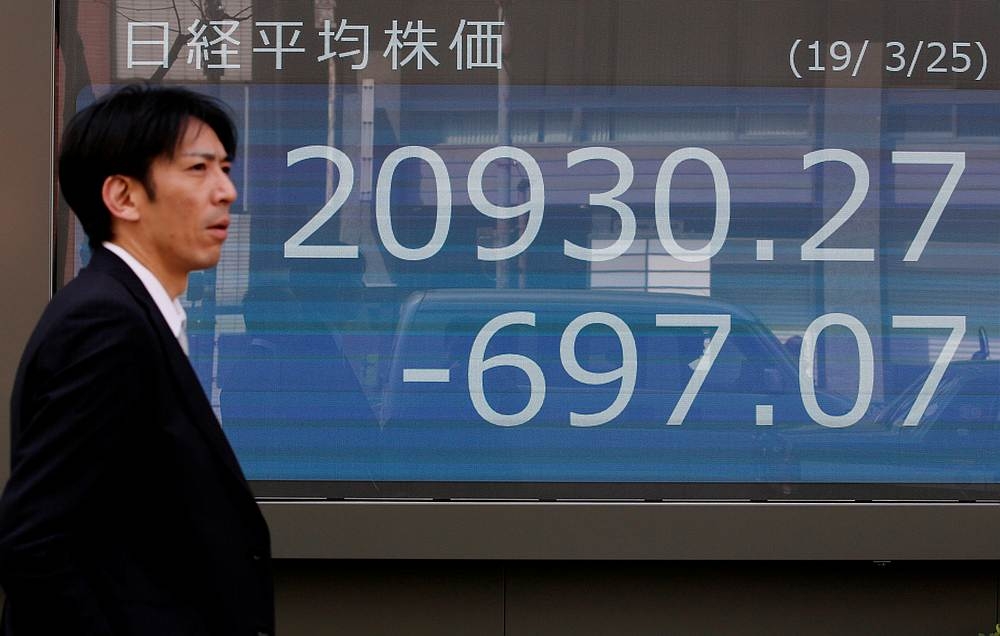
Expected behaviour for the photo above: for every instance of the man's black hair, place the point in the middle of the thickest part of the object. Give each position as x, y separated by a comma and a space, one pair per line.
121, 134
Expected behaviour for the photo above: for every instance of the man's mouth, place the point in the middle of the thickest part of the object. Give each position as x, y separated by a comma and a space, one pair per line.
220, 230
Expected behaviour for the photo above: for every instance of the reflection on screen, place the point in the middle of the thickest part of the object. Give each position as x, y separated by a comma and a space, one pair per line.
734, 248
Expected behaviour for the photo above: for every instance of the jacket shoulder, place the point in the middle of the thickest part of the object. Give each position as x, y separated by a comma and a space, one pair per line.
93, 310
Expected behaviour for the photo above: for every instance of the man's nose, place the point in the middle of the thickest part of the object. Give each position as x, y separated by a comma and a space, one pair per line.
225, 190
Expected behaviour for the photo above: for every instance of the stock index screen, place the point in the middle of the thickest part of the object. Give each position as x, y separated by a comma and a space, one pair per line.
594, 248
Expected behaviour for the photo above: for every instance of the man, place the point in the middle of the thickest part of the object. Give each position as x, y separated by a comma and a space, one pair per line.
126, 511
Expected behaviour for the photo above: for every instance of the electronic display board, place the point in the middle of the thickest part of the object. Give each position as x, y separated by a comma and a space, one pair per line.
591, 249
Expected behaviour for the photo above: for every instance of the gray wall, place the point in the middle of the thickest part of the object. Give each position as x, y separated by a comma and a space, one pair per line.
507, 595
26, 83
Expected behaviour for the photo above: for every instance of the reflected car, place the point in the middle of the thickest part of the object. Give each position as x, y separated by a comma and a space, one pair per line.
588, 385
956, 441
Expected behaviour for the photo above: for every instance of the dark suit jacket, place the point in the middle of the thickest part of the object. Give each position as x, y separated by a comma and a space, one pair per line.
126, 511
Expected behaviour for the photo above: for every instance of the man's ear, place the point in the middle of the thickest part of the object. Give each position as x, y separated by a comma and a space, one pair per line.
120, 193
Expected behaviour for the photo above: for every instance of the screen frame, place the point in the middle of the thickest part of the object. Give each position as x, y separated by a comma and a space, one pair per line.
629, 492
310, 527
633, 531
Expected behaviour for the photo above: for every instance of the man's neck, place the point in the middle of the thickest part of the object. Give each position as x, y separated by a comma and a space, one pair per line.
174, 285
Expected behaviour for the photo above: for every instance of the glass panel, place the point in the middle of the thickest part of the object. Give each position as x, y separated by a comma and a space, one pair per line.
631, 242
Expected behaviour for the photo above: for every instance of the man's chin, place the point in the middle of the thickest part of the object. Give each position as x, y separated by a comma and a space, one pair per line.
208, 261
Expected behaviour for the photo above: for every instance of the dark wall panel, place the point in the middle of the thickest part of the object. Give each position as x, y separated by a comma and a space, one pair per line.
815, 598
389, 598
637, 598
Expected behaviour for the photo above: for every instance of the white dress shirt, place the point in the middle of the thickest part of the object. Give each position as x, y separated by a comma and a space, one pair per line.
171, 308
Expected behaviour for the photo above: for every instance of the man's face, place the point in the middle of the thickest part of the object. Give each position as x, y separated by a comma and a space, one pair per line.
184, 220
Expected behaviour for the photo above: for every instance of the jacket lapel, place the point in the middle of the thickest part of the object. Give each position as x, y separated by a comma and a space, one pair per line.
189, 387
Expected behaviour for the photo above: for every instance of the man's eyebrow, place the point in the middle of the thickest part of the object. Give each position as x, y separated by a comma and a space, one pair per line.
211, 156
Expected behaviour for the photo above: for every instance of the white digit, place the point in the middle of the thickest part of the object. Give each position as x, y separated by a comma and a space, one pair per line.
722, 324
866, 370
533, 207
478, 365
957, 326
383, 214
609, 199
816, 66
662, 204
293, 246
844, 57
810, 249
898, 55
957, 162
943, 51
626, 372
956, 54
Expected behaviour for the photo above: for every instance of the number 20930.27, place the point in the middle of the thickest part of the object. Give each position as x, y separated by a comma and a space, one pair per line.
533, 207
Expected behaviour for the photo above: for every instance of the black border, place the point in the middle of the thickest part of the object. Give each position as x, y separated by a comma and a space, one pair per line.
637, 492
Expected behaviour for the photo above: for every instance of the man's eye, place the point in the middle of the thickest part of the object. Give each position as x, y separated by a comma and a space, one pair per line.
198, 166
226, 169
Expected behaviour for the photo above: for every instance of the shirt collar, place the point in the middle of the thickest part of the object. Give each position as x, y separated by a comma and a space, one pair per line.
171, 308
